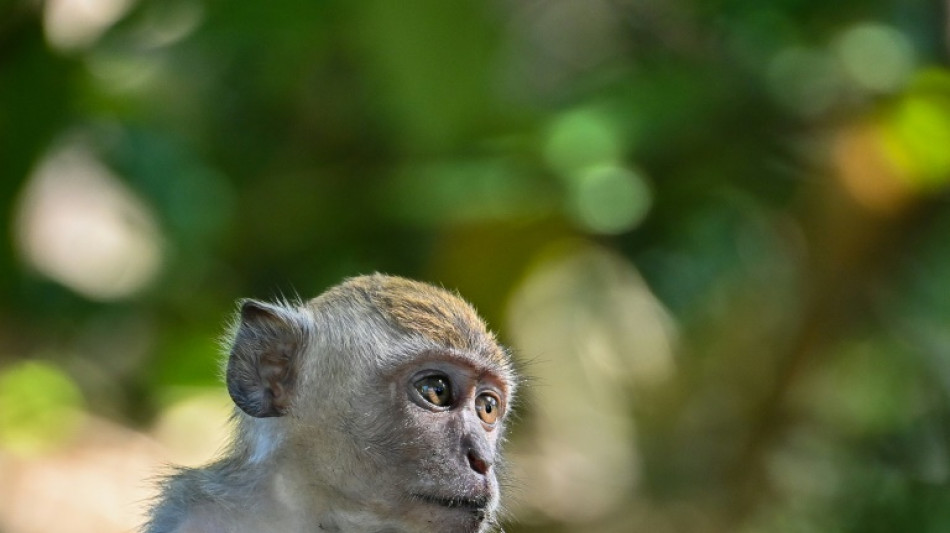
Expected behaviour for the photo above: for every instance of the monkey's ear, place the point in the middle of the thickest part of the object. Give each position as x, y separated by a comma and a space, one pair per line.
262, 366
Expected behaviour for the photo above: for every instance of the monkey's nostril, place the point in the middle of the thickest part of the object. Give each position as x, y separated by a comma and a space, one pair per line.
477, 463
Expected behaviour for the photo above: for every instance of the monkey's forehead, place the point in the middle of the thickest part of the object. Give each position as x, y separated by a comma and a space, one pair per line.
431, 312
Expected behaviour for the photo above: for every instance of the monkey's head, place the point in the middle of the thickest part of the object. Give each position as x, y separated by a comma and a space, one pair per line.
384, 399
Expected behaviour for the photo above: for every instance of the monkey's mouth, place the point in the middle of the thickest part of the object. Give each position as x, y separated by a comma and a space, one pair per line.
476, 505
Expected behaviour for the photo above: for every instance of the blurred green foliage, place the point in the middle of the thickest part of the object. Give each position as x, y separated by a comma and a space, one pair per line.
776, 172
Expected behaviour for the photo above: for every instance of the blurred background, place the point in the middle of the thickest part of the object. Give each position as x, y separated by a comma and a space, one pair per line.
715, 234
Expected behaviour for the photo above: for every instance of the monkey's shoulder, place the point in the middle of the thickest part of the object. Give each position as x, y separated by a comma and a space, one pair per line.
194, 500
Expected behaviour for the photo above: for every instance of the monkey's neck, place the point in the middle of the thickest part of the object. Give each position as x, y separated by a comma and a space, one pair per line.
292, 500
287, 495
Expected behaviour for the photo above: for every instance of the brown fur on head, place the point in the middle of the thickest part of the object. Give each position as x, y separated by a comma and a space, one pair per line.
427, 311
378, 405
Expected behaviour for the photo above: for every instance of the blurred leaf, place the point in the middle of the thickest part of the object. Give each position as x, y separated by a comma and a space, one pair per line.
466, 191
432, 65
40, 407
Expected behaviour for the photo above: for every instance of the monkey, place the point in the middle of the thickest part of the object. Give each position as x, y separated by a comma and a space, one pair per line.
378, 406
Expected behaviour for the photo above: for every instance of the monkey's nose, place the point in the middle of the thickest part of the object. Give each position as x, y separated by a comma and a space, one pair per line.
477, 463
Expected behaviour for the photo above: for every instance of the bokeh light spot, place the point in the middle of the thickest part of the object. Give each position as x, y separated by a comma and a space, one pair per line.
869, 173
80, 225
610, 199
184, 428
804, 80
40, 406
877, 57
580, 139
71, 24
604, 336
917, 137
169, 22
122, 73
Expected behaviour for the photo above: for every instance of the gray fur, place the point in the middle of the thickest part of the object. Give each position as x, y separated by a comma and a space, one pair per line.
329, 434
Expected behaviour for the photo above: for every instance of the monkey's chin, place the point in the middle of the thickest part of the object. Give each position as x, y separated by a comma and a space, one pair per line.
462, 514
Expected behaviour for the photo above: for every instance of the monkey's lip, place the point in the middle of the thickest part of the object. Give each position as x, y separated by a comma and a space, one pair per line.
465, 503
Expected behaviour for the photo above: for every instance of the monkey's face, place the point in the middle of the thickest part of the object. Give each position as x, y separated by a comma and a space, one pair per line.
433, 447
451, 413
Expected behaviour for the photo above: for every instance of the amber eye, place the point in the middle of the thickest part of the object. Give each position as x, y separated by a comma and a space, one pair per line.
487, 407
436, 390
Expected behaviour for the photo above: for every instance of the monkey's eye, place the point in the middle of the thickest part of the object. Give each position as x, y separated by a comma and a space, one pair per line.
435, 390
486, 405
